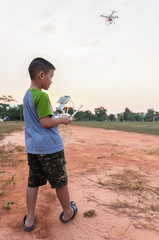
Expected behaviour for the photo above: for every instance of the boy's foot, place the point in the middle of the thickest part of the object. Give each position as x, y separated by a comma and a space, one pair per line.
73, 205
28, 229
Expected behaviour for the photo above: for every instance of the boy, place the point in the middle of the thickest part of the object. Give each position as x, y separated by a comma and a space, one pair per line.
44, 145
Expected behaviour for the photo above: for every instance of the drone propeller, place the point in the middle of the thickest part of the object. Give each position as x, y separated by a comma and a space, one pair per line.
102, 15
115, 17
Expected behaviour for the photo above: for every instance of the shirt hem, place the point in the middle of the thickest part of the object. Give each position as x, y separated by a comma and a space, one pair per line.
46, 152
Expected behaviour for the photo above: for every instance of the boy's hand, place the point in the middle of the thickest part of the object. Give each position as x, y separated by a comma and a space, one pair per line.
66, 119
48, 122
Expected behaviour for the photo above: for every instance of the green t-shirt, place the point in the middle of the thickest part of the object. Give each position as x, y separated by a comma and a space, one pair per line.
41, 102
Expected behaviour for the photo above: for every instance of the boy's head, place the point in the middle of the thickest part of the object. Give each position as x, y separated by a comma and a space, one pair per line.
42, 71
38, 65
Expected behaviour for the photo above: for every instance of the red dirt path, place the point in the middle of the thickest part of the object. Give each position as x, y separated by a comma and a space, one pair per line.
96, 159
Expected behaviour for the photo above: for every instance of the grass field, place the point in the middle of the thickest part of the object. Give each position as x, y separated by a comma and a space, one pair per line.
9, 127
138, 127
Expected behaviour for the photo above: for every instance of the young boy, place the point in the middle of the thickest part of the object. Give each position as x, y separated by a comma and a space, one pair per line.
44, 145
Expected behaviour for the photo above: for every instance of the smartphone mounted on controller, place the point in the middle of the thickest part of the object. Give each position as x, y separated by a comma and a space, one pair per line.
63, 101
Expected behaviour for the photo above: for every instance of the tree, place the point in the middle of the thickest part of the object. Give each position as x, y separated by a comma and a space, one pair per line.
149, 115
120, 117
21, 112
7, 109
100, 114
84, 116
112, 118
7, 99
3, 110
139, 117
127, 114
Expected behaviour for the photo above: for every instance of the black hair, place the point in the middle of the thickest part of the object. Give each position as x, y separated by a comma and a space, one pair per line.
39, 64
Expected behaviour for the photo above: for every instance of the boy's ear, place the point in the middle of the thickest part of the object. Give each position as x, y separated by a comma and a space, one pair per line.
41, 75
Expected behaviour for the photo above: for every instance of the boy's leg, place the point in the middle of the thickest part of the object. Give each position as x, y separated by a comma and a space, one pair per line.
31, 196
64, 198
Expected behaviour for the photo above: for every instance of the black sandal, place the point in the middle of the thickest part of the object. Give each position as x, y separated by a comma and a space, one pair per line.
28, 229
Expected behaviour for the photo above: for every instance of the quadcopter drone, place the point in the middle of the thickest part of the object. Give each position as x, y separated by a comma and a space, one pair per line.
109, 19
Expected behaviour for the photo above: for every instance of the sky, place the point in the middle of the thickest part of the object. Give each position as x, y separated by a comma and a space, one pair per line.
97, 65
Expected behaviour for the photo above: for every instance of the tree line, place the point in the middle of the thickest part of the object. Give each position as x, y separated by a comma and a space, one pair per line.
15, 112
100, 114
11, 111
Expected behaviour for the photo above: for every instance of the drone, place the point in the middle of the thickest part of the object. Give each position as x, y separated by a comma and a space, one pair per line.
109, 19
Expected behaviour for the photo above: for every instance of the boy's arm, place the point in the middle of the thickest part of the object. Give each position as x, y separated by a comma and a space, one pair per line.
48, 122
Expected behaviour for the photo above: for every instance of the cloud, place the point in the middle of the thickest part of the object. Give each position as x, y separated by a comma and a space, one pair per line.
58, 23
91, 44
48, 29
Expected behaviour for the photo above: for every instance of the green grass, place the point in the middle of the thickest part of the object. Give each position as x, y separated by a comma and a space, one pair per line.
7, 205
89, 213
138, 127
9, 127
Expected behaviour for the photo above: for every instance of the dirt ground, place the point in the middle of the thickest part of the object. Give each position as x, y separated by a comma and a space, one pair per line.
113, 178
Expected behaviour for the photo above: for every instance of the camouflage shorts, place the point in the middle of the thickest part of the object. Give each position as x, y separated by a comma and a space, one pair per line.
51, 167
